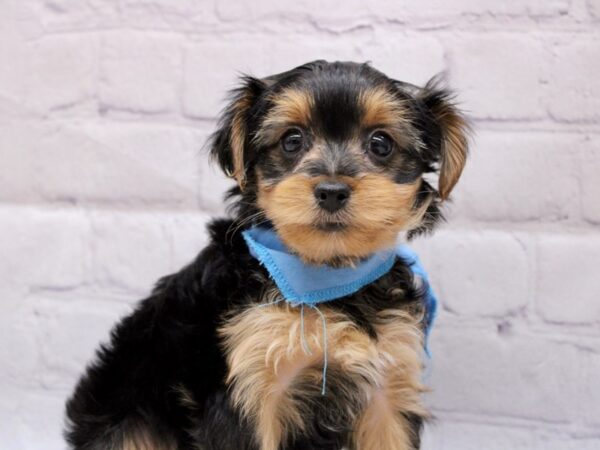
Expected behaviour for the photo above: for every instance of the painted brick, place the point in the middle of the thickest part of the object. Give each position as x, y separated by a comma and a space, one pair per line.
594, 8
17, 150
19, 350
72, 165
105, 105
590, 187
501, 76
65, 15
72, 327
450, 11
479, 273
589, 409
46, 249
188, 235
450, 435
212, 67
574, 93
139, 72
567, 278
36, 421
167, 157
61, 73
356, 12
213, 186
186, 15
131, 251
505, 364
411, 58
468, 436
520, 177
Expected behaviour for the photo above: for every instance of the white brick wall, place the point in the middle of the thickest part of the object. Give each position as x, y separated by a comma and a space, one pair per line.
105, 105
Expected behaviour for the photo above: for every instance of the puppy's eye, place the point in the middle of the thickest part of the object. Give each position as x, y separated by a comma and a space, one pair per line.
292, 141
380, 145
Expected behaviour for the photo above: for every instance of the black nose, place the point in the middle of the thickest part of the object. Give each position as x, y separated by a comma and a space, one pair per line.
332, 195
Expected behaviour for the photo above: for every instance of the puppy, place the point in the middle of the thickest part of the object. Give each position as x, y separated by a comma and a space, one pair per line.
331, 159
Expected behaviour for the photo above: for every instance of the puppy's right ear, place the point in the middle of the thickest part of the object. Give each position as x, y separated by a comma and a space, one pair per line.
229, 143
452, 129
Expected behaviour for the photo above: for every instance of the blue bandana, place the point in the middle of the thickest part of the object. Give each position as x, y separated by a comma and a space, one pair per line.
307, 285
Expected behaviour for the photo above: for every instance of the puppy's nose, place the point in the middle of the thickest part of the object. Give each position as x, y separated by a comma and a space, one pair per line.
332, 195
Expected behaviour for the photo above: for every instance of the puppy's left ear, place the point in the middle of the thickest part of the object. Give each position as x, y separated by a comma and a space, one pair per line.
229, 144
452, 131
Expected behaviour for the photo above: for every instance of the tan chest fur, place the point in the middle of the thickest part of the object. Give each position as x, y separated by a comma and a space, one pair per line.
266, 358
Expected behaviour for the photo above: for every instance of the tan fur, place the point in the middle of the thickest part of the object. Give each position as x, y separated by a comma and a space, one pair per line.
142, 439
290, 107
265, 356
378, 210
379, 108
381, 426
237, 138
186, 398
454, 146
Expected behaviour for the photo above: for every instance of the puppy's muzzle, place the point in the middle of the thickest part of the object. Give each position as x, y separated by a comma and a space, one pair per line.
332, 195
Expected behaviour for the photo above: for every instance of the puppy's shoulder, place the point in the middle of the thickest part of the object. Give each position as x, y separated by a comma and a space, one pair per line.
217, 272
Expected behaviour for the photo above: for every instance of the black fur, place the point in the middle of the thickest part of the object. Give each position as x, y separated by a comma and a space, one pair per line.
170, 342
163, 370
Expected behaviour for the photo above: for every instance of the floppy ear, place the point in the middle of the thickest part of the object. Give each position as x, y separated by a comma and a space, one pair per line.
229, 143
453, 134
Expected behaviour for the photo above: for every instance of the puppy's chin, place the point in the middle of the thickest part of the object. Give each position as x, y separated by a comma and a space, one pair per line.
377, 211
340, 247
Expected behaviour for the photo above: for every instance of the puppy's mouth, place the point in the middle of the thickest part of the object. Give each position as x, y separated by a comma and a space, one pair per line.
331, 226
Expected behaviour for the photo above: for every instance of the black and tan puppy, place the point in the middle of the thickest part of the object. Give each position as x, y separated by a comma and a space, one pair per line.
332, 156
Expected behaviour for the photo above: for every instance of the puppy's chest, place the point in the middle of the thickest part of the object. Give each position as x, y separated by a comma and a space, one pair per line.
281, 358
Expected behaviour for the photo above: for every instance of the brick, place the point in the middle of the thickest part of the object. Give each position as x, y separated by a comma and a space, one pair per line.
213, 186
500, 76
450, 435
72, 165
574, 93
163, 155
323, 12
69, 332
520, 177
62, 72
46, 249
56, 73
9, 417
17, 150
64, 15
594, 8
130, 251
478, 273
472, 436
566, 442
212, 68
414, 59
590, 188
479, 371
105, 106
19, 350
567, 278
36, 421
356, 12
450, 12
184, 15
139, 72
188, 235
589, 411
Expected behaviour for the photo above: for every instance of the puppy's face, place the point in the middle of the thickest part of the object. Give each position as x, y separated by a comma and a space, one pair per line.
333, 155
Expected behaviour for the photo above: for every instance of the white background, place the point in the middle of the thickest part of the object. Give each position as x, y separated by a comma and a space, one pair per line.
105, 105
